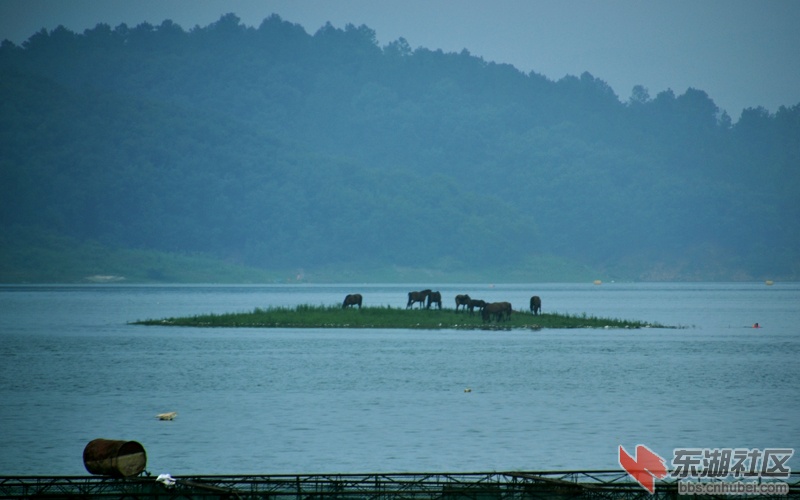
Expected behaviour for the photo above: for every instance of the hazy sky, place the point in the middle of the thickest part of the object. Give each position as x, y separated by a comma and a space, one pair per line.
743, 53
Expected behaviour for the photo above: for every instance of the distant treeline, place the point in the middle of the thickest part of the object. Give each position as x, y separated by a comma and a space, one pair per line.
279, 149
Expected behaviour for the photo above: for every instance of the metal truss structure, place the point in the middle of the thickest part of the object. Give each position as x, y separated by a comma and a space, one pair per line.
519, 485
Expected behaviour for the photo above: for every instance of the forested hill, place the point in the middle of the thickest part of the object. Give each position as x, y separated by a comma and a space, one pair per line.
278, 149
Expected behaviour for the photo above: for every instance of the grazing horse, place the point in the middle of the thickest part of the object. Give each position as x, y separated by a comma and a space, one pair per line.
417, 297
435, 298
354, 299
473, 303
499, 310
536, 305
462, 300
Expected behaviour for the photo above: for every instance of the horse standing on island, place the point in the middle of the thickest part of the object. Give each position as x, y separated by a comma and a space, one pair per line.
473, 303
462, 300
420, 297
354, 299
498, 310
536, 305
435, 298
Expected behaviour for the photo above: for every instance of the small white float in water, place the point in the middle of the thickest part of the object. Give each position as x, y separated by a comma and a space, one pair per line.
167, 416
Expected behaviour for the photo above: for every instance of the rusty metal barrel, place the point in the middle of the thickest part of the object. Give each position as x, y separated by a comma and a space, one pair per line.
107, 457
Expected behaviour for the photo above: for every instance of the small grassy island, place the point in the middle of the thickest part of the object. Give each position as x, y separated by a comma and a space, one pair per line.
306, 316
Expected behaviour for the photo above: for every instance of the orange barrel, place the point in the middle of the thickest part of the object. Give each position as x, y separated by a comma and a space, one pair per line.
106, 457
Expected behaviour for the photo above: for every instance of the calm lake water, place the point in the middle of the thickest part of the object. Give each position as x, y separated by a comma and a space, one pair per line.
265, 401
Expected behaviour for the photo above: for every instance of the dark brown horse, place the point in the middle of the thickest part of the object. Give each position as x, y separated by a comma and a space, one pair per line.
498, 310
462, 300
473, 303
435, 298
420, 297
536, 305
354, 299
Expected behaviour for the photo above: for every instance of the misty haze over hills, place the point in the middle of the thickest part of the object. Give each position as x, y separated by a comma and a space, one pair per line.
279, 150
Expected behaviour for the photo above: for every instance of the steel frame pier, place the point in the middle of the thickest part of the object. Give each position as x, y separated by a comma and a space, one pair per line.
512, 485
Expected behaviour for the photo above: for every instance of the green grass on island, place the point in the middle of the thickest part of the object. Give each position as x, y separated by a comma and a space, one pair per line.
307, 316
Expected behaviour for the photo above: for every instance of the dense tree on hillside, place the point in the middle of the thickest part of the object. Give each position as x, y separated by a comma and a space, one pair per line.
278, 148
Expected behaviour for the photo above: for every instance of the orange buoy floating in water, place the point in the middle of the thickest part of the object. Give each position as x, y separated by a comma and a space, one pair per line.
598, 282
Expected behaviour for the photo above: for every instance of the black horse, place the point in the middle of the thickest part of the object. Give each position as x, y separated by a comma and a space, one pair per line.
536, 305
435, 298
417, 297
473, 303
354, 299
462, 300
497, 310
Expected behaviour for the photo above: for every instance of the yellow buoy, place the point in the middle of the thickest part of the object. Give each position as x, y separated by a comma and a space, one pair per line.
769, 282
598, 282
